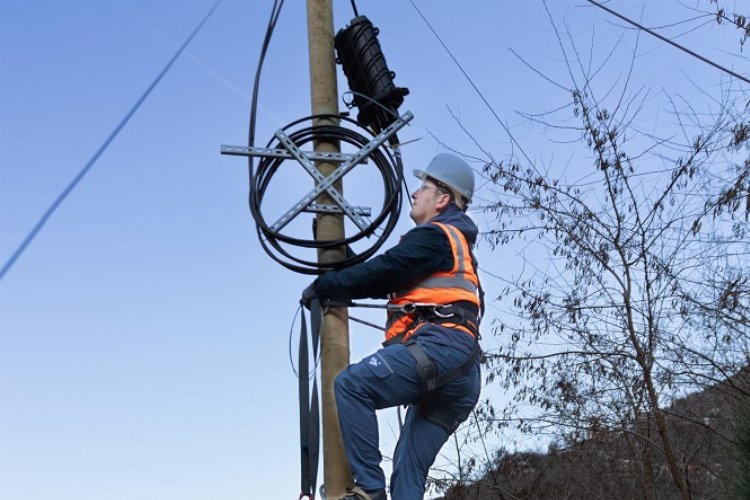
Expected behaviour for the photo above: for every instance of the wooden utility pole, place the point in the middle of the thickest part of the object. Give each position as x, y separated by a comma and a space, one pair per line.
335, 330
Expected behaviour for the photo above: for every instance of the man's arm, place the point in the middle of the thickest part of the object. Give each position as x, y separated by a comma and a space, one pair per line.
421, 252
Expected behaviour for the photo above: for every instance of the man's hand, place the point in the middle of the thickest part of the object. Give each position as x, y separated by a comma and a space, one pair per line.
308, 294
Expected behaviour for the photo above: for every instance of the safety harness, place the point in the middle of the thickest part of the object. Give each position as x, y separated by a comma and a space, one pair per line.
455, 314
446, 314
450, 314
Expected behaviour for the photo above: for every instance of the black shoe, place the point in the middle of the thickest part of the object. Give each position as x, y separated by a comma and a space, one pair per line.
359, 494
377, 495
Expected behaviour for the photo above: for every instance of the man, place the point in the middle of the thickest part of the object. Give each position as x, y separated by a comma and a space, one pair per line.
430, 358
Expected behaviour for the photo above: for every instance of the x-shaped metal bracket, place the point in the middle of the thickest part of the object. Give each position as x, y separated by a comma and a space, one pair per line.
323, 183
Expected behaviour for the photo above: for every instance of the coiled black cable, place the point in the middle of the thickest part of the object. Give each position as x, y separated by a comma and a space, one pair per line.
387, 161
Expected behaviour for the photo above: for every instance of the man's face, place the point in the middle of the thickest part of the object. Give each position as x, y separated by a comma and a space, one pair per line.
427, 202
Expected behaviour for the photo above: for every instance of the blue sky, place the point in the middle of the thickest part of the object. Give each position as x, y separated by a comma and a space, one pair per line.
144, 332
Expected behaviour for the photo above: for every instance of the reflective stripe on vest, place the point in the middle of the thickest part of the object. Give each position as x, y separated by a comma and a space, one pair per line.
457, 285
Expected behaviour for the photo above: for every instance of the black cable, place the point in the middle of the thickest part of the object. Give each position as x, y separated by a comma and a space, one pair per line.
298, 313
394, 142
387, 163
274, 17
386, 160
670, 42
354, 8
77, 179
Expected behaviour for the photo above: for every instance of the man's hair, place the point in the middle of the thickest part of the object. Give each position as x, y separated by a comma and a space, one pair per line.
442, 188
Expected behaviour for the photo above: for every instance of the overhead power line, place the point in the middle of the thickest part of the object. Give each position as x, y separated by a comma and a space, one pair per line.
471, 82
77, 179
670, 42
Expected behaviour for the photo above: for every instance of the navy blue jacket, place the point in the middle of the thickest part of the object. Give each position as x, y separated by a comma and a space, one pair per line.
422, 251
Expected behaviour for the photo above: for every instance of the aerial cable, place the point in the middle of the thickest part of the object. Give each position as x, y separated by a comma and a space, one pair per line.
670, 42
471, 82
77, 179
395, 142
274, 17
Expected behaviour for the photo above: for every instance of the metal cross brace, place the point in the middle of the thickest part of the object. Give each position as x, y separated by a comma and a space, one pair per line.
326, 183
320, 179
282, 153
322, 183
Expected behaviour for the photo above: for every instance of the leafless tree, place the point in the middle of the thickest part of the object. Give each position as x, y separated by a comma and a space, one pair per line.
635, 284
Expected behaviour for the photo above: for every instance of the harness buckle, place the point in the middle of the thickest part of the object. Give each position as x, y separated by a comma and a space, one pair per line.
437, 311
413, 307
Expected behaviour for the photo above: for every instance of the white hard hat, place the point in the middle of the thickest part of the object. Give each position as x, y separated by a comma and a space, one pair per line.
451, 171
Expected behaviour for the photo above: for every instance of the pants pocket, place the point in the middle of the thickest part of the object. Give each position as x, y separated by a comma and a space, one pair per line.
378, 366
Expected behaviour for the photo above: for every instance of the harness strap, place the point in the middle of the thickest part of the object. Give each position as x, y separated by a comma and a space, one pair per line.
469, 319
438, 314
309, 413
428, 371
426, 368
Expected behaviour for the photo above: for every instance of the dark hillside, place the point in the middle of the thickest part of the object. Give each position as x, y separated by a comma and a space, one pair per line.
618, 464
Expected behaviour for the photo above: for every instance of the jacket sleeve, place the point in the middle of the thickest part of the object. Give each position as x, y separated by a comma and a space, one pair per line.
421, 252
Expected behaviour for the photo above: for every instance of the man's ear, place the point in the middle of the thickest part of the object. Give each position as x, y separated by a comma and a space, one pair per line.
443, 202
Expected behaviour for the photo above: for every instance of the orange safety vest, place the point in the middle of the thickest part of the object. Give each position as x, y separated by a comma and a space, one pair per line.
460, 284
